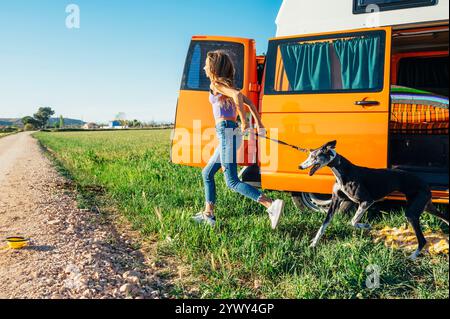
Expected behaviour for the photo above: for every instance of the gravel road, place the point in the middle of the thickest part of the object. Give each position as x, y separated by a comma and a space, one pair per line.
74, 253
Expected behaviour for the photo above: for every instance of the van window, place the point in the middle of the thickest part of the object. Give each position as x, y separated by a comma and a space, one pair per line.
366, 6
350, 63
194, 77
425, 73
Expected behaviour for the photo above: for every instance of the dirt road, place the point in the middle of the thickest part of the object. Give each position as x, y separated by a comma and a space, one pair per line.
74, 253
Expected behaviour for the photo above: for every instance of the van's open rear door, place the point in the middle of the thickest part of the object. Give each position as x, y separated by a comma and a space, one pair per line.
324, 87
194, 136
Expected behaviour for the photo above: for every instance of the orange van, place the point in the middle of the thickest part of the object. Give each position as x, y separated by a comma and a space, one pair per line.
381, 92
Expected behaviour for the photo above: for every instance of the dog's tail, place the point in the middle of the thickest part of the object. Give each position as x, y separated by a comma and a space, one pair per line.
430, 208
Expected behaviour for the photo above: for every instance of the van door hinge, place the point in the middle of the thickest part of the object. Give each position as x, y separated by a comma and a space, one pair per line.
254, 87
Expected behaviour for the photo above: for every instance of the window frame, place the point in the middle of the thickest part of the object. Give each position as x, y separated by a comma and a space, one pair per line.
188, 61
359, 9
272, 58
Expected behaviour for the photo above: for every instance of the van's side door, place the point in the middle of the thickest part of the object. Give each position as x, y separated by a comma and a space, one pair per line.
324, 87
194, 137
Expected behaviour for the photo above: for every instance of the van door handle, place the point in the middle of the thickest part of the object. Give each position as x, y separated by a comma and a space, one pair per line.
367, 103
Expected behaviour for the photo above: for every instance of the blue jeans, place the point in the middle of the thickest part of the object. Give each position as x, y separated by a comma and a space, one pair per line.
230, 140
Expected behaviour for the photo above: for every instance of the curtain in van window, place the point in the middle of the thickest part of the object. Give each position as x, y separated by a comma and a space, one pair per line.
360, 62
307, 65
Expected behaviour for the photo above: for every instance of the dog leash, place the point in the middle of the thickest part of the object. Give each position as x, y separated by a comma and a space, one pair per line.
303, 150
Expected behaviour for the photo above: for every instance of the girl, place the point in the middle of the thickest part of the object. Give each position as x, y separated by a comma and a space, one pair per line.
228, 104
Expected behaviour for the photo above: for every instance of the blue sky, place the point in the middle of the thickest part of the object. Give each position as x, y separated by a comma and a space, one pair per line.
127, 56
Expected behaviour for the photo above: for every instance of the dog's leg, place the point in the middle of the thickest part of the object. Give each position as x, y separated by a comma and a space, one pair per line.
362, 209
346, 206
415, 223
336, 202
433, 211
413, 213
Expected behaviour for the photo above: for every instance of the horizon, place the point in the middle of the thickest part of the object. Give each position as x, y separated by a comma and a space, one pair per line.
11, 119
117, 61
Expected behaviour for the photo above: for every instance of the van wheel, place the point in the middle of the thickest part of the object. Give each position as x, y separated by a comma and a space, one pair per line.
312, 201
318, 202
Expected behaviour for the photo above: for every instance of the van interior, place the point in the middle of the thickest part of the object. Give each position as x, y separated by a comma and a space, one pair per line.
420, 61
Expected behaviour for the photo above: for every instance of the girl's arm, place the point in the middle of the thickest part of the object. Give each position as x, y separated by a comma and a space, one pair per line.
238, 99
254, 112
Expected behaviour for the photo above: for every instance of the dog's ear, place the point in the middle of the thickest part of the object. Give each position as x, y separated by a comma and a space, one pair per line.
330, 145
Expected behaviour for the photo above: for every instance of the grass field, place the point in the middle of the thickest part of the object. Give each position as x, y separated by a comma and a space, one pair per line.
4, 134
242, 257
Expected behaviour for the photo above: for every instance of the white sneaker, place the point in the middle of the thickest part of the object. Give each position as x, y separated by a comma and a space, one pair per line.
202, 218
275, 211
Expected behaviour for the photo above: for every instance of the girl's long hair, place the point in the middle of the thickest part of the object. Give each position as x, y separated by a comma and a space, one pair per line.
223, 72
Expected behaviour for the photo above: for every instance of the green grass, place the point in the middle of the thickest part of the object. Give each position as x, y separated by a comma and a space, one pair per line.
242, 257
5, 134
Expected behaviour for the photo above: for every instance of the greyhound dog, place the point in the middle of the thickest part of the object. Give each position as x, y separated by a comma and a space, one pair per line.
365, 186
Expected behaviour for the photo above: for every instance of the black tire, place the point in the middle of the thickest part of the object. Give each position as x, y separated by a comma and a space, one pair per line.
311, 201
317, 202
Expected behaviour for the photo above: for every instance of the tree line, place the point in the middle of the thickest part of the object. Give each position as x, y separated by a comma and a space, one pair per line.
40, 119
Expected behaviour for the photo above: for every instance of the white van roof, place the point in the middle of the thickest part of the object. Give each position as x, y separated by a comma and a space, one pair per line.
299, 17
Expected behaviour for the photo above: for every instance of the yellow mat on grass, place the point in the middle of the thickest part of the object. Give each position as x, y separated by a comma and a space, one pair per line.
405, 238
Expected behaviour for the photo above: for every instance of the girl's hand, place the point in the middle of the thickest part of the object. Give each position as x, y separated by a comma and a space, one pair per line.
261, 129
245, 128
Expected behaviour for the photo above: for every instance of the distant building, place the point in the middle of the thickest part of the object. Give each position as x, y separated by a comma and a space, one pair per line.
91, 126
116, 125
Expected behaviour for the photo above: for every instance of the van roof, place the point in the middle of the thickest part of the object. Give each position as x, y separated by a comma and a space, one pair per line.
318, 16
